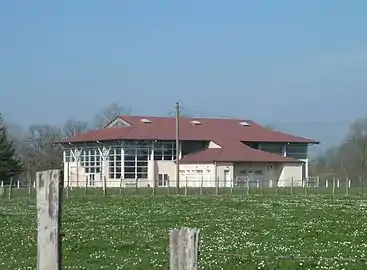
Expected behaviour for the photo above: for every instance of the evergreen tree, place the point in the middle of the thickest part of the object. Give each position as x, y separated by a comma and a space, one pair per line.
10, 164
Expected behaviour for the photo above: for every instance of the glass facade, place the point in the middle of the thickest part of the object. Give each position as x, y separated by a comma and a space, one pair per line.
129, 160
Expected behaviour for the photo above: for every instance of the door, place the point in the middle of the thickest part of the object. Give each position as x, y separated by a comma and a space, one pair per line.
227, 178
162, 180
91, 180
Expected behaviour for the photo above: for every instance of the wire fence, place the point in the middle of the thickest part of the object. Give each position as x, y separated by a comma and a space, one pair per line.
243, 187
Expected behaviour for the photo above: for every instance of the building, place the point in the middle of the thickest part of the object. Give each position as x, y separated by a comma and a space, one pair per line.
213, 152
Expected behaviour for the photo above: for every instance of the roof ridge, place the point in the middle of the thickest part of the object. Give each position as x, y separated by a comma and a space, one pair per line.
188, 117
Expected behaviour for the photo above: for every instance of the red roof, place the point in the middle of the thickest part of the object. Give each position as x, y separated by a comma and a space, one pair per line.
228, 133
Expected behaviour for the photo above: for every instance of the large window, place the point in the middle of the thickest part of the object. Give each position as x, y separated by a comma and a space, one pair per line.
165, 151
114, 163
136, 161
91, 160
275, 148
297, 150
68, 156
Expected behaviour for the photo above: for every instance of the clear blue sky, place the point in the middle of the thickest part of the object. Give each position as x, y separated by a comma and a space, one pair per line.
300, 64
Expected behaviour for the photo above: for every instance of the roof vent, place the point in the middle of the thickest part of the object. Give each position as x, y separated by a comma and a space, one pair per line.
244, 123
145, 121
195, 122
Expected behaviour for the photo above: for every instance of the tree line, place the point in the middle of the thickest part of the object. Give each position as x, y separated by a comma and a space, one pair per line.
23, 153
346, 160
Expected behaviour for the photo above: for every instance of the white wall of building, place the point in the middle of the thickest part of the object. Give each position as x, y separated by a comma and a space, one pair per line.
163, 173
291, 174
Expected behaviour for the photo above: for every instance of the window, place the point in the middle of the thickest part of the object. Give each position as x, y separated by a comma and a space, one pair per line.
136, 161
114, 163
90, 160
297, 150
165, 150
275, 148
163, 180
118, 122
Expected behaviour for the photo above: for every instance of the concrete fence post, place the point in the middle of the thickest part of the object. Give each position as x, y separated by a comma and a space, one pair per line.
184, 249
48, 215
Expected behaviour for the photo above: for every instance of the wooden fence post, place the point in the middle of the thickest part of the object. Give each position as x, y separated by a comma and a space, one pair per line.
262, 185
306, 186
136, 186
360, 186
104, 186
10, 188
184, 249
334, 186
232, 184
48, 215
120, 186
86, 187
201, 185
347, 185
186, 183
217, 186
30, 188
248, 186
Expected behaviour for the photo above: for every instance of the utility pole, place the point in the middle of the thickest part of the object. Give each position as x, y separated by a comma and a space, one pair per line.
178, 148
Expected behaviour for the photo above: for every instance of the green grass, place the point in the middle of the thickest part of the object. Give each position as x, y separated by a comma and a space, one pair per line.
131, 232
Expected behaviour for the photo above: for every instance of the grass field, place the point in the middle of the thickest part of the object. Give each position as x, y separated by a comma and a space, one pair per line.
132, 232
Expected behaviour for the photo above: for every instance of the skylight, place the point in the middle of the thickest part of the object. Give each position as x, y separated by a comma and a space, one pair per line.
145, 121
244, 123
195, 122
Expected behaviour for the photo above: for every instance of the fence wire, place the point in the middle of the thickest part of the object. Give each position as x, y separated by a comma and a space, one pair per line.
125, 187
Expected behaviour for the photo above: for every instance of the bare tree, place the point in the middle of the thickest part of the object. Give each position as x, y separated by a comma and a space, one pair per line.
73, 127
39, 151
353, 152
269, 126
349, 159
109, 113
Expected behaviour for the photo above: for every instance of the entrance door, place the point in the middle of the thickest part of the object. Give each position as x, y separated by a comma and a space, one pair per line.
162, 180
91, 180
227, 178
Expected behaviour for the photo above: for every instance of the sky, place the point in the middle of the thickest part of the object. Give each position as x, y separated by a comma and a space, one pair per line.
298, 65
